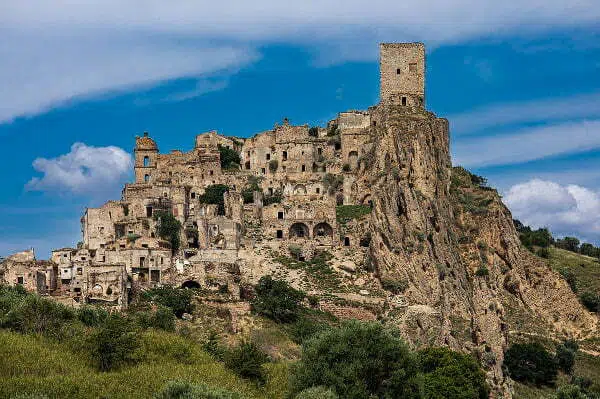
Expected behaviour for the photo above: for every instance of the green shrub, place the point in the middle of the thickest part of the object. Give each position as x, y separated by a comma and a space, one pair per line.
570, 277
213, 347
186, 390
346, 167
246, 360
482, 271
305, 327
543, 253
571, 392
451, 375
277, 300
317, 393
168, 228
33, 314
565, 355
274, 198
345, 213
161, 319
179, 300
357, 360
114, 344
251, 186
213, 194
92, 316
229, 158
530, 362
397, 286
591, 301
313, 131
295, 250
332, 183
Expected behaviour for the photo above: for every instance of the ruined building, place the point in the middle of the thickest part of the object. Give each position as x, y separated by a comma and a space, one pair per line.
397, 233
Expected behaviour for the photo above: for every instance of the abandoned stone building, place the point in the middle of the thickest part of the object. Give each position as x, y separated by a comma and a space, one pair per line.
284, 191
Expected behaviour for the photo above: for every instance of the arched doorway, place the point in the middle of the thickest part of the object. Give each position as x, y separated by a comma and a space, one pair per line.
190, 284
299, 230
322, 230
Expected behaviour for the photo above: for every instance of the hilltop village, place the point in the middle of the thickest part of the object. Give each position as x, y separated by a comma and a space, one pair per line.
231, 196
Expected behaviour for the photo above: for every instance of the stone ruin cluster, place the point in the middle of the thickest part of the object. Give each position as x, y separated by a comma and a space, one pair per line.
285, 191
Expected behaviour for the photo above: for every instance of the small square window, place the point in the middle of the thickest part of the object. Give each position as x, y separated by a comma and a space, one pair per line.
318, 190
263, 171
279, 233
398, 71
280, 215
304, 168
268, 157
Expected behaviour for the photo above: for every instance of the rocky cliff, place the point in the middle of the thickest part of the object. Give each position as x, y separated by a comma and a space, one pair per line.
449, 244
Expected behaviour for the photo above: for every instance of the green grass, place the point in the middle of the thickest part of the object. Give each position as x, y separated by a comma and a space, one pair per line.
32, 364
345, 213
585, 268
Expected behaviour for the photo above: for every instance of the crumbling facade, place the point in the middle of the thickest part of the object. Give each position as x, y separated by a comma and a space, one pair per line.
283, 192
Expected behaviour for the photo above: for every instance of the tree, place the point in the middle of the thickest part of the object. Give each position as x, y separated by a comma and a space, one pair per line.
451, 375
591, 301
168, 228
568, 243
317, 393
179, 300
114, 344
357, 361
246, 360
530, 362
277, 300
229, 158
213, 194
565, 355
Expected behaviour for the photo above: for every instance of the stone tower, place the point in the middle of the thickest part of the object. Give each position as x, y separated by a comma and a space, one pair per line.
402, 73
146, 153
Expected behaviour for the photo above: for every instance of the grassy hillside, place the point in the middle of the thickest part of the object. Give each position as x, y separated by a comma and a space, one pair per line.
585, 268
32, 364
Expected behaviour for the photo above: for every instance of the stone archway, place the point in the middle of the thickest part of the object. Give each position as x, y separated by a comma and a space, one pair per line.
299, 230
322, 230
300, 189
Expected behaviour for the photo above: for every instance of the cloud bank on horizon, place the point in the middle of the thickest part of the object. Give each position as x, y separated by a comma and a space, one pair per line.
48, 60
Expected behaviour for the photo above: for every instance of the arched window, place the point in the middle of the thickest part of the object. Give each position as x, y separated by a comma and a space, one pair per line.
146, 161
146, 178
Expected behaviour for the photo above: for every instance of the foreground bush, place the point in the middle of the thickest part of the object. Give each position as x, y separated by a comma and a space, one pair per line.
177, 299
530, 362
28, 313
317, 393
185, 390
92, 316
565, 355
277, 300
358, 361
448, 374
161, 319
115, 344
246, 360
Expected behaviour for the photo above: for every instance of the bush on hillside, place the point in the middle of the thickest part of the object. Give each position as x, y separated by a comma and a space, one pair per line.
277, 300
161, 319
451, 375
304, 328
32, 314
186, 390
565, 355
317, 393
357, 361
246, 360
115, 344
530, 362
591, 301
179, 300
92, 316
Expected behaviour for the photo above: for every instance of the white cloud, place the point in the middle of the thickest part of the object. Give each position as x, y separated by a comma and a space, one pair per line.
84, 170
53, 52
567, 210
527, 144
554, 109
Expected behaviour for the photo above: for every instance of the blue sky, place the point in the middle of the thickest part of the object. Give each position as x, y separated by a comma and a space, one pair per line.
519, 82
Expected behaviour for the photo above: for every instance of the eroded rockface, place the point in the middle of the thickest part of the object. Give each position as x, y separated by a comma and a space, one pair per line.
453, 244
